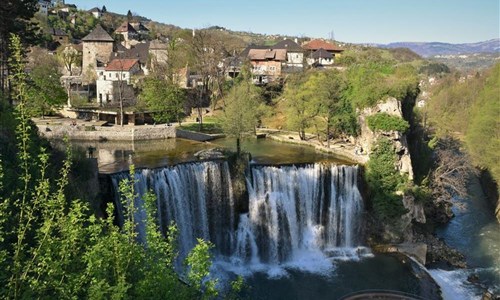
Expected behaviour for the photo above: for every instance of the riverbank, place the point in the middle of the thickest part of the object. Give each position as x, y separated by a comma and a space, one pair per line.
339, 148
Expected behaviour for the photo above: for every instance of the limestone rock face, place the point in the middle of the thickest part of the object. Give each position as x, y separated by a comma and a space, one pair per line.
368, 138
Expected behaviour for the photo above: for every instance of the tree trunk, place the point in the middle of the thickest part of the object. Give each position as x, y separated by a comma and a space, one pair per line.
328, 133
238, 146
318, 135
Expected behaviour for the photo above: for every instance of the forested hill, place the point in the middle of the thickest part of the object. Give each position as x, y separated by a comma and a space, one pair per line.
436, 48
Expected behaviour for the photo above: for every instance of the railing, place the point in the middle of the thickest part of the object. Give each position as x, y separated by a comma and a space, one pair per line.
381, 294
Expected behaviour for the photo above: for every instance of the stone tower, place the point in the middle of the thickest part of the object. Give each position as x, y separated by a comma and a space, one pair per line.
97, 49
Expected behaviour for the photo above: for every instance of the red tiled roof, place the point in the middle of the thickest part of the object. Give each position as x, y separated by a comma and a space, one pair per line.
121, 64
318, 44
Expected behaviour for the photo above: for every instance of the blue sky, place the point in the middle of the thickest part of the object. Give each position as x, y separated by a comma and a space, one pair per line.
356, 21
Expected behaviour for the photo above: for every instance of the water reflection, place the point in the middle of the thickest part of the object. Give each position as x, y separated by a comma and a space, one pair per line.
114, 156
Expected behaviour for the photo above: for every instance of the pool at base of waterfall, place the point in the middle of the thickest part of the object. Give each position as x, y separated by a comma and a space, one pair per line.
330, 279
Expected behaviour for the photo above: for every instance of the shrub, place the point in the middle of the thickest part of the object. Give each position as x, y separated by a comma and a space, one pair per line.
386, 122
384, 181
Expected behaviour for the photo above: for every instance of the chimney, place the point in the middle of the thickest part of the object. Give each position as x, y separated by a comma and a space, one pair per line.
296, 41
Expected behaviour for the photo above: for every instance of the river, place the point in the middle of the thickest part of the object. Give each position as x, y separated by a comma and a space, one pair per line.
322, 275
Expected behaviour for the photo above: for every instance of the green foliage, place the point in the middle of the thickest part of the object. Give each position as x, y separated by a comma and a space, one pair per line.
165, 99
301, 107
468, 108
483, 134
370, 82
242, 110
199, 260
434, 68
45, 90
54, 248
384, 182
386, 122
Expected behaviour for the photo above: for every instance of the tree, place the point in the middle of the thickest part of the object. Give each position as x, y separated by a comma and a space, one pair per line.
15, 18
164, 98
53, 247
207, 52
46, 90
104, 9
70, 57
329, 89
129, 16
302, 108
242, 109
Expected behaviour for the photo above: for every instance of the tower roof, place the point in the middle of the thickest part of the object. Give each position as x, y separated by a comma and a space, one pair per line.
98, 35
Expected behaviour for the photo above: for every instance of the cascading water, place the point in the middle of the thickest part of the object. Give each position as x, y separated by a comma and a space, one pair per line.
292, 210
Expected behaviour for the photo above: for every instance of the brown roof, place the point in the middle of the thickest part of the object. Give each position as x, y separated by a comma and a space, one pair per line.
318, 44
267, 54
98, 35
126, 27
121, 64
139, 51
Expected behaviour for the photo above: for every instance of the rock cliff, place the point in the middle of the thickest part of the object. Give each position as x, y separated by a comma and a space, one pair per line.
367, 138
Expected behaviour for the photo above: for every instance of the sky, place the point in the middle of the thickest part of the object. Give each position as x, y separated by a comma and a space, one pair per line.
353, 21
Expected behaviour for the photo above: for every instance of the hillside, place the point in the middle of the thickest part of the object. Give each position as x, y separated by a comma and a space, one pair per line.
436, 48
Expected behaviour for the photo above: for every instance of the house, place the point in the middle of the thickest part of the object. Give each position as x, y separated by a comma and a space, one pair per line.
58, 36
97, 49
266, 64
44, 6
96, 12
127, 31
321, 58
142, 30
294, 55
114, 81
315, 45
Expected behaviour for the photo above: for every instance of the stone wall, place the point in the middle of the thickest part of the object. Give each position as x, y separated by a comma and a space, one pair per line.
115, 133
93, 51
196, 136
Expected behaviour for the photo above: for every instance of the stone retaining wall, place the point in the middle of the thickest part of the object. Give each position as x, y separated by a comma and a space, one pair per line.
114, 133
196, 136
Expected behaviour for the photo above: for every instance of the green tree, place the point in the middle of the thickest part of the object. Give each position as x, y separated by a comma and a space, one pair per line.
165, 99
15, 18
483, 133
301, 107
242, 108
53, 247
329, 95
384, 182
46, 90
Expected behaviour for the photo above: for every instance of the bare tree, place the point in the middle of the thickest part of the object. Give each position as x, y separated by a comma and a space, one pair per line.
208, 52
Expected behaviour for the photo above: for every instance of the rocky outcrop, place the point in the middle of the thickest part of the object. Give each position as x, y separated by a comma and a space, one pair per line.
368, 138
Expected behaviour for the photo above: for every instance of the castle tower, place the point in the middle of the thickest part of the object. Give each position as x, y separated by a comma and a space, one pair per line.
97, 49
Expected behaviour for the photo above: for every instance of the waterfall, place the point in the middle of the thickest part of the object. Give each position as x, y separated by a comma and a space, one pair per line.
292, 210
296, 209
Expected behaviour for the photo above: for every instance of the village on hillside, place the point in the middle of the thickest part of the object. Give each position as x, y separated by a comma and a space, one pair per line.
103, 69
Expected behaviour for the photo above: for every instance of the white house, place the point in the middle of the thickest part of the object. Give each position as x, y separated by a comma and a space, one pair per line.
44, 6
116, 78
96, 12
294, 55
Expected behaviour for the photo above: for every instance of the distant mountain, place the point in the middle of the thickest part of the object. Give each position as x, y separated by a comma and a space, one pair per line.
436, 48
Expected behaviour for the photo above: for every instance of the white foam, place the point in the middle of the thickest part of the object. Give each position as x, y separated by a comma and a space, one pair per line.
454, 285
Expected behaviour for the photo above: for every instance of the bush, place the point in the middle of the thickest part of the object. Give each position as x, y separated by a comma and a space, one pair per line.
386, 122
384, 181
